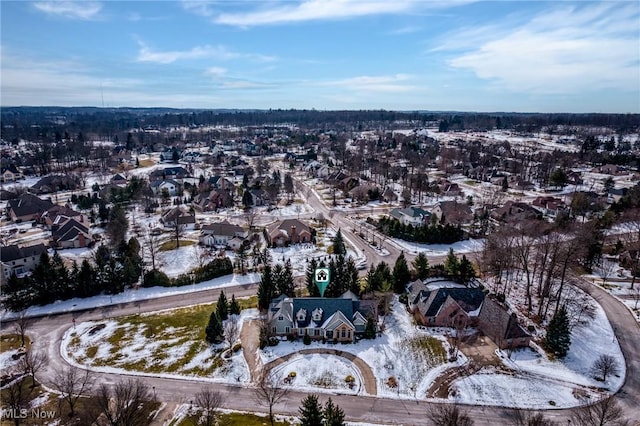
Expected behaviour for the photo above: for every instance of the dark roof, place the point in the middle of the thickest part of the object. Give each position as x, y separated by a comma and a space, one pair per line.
469, 299
54, 183
69, 230
14, 252
177, 171
329, 307
497, 323
222, 228
28, 204
286, 225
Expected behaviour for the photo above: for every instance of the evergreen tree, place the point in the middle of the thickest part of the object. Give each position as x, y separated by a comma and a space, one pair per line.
234, 307
310, 411
247, 199
266, 288
283, 279
370, 328
213, 331
451, 264
353, 277
86, 280
338, 244
222, 307
558, 339
421, 266
333, 414
466, 271
401, 274
309, 279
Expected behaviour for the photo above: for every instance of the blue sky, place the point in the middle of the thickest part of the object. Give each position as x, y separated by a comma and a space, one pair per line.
462, 55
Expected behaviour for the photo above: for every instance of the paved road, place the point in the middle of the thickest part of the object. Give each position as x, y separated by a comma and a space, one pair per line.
46, 333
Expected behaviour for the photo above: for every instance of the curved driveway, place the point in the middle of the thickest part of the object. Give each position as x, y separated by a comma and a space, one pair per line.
365, 371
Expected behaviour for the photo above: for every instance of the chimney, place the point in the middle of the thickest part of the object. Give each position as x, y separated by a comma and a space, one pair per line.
293, 233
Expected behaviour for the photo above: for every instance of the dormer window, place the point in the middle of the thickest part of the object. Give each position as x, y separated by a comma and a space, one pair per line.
301, 315
317, 314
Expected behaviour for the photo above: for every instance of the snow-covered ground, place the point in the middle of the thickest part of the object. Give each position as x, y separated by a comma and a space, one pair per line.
132, 295
316, 371
139, 350
460, 247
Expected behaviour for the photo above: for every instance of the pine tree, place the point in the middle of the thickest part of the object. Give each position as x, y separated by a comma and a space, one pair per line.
310, 411
451, 264
466, 271
558, 339
401, 274
213, 331
338, 244
333, 414
283, 279
266, 288
234, 307
370, 328
222, 307
309, 279
421, 266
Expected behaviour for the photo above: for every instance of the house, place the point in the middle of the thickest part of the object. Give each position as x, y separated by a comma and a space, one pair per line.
549, 205
445, 306
414, 216
259, 197
438, 303
448, 188
211, 201
27, 207
454, 213
501, 326
177, 173
515, 210
338, 319
20, 260
615, 194
389, 196
57, 215
609, 169
157, 186
221, 233
70, 234
119, 180
55, 183
10, 173
178, 216
288, 231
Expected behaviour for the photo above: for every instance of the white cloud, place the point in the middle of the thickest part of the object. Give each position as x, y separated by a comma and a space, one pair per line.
216, 71
568, 50
146, 54
387, 84
84, 10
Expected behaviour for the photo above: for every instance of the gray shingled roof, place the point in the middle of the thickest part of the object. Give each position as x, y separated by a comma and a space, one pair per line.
469, 299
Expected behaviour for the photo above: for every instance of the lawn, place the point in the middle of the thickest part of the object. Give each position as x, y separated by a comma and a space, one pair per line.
170, 342
10, 342
232, 419
171, 244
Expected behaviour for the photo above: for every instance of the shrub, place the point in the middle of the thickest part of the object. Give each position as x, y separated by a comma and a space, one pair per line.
155, 278
349, 379
273, 341
236, 347
292, 374
392, 382
306, 339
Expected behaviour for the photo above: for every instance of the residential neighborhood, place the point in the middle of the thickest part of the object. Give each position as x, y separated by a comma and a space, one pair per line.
455, 279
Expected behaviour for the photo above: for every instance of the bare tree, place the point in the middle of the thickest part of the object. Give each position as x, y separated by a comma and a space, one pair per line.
528, 418
606, 412
21, 325
201, 255
32, 362
17, 396
607, 269
209, 402
250, 217
177, 228
580, 307
269, 392
448, 415
152, 244
604, 366
72, 382
232, 327
127, 403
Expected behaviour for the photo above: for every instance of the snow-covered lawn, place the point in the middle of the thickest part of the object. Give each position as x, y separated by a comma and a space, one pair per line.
144, 345
460, 247
536, 379
387, 356
321, 371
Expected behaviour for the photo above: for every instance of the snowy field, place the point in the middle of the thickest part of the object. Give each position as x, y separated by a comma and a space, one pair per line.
135, 347
319, 371
132, 295
460, 247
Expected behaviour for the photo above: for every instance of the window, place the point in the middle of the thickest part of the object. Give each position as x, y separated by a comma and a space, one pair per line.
349, 334
280, 318
274, 330
316, 332
287, 330
343, 332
